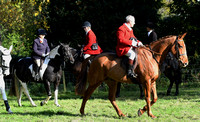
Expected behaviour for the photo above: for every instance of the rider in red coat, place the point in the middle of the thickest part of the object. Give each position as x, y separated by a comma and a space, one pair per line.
90, 47
126, 42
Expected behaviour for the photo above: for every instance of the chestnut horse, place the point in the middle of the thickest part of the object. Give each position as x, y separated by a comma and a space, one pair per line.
107, 67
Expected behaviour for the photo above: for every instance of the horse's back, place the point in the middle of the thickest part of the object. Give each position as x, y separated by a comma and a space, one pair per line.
108, 65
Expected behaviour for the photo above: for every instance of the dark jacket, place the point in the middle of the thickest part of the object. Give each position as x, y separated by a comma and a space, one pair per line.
152, 37
40, 48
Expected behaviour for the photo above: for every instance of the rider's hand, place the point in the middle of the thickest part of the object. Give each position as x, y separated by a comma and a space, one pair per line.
43, 55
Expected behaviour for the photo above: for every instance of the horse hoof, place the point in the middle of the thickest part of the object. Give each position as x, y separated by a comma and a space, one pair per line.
57, 105
41, 103
153, 117
10, 112
140, 112
34, 105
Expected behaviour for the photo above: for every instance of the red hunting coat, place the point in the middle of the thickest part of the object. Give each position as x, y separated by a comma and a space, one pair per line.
91, 39
123, 40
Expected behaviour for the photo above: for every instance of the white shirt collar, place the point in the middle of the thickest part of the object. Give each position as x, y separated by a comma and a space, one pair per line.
88, 31
128, 26
149, 32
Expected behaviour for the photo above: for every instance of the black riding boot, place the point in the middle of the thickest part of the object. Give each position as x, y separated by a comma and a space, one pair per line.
130, 73
36, 70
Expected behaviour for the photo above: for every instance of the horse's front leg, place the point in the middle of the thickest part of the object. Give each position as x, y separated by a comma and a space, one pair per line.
177, 87
48, 90
147, 92
170, 87
56, 93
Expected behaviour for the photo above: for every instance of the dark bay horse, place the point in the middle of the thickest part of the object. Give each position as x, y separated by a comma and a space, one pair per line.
170, 67
52, 74
106, 67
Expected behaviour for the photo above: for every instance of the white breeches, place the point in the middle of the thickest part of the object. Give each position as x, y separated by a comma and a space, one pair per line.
37, 61
131, 54
86, 56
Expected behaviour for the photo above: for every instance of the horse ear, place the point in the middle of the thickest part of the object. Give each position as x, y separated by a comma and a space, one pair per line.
10, 48
183, 36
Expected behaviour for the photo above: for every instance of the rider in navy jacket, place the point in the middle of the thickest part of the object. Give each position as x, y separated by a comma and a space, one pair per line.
40, 50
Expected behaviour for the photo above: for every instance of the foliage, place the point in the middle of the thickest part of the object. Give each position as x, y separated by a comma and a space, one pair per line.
20, 20
66, 18
183, 17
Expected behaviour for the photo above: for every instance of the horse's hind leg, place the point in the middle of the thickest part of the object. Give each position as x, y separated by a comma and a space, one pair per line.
112, 90
87, 95
2, 89
48, 90
25, 89
149, 103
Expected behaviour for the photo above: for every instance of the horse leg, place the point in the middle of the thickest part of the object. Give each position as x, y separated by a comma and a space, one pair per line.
48, 90
149, 104
87, 95
19, 98
118, 90
112, 90
56, 93
141, 91
25, 89
170, 86
2, 88
177, 87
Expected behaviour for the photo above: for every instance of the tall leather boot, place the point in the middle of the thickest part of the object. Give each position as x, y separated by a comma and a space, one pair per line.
130, 73
36, 72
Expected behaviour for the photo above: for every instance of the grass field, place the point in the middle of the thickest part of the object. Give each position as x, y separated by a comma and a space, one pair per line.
185, 107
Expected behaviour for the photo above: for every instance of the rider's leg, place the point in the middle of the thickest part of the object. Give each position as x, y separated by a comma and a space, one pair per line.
87, 56
131, 55
37, 61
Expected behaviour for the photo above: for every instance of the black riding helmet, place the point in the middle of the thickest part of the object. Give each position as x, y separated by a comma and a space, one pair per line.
86, 24
41, 32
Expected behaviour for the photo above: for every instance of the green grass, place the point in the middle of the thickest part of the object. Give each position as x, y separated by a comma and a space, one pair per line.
185, 107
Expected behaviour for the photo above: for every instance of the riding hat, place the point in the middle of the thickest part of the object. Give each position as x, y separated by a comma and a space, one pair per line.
41, 32
150, 25
86, 24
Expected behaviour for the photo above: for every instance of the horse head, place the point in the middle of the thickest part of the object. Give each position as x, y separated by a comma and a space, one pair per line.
67, 53
179, 51
5, 59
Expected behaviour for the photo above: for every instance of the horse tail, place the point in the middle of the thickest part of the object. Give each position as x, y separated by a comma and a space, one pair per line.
14, 89
82, 78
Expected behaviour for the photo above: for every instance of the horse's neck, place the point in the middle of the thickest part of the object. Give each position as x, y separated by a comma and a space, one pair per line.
163, 48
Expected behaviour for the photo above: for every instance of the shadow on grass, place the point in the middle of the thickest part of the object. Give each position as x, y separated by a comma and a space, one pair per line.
58, 113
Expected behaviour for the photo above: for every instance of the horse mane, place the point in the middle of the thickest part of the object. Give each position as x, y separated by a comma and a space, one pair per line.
162, 38
54, 52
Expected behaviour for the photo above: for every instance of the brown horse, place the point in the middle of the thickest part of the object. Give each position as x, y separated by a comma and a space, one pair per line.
107, 67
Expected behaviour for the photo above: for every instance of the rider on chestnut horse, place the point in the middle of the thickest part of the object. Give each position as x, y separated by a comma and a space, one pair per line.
126, 43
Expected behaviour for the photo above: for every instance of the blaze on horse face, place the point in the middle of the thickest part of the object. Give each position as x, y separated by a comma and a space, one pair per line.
67, 53
179, 50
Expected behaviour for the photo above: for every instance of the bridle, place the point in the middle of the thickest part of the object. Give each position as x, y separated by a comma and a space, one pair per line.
2, 66
178, 55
